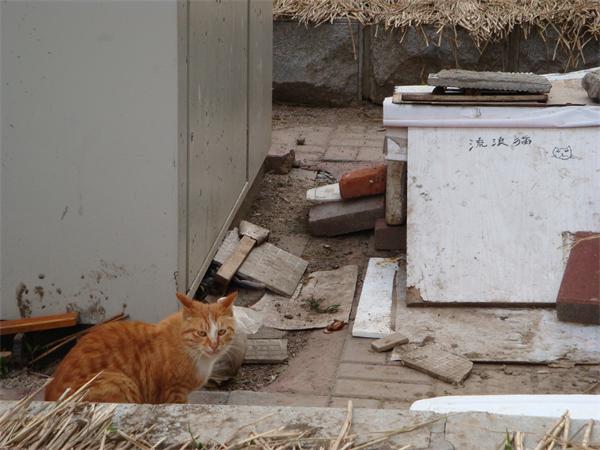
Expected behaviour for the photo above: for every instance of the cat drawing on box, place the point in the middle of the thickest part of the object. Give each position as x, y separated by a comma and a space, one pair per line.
149, 363
563, 153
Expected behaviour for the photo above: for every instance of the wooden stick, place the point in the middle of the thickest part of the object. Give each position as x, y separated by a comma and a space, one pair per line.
74, 336
552, 433
345, 428
38, 323
566, 431
586, 436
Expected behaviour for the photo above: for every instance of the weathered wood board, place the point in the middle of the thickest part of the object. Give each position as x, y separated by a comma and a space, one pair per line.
279, 270
497, 334
489, 209
327, 287
374, 313
266, 351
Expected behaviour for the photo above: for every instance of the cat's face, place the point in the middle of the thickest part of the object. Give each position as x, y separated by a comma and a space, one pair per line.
563, 153
208, 329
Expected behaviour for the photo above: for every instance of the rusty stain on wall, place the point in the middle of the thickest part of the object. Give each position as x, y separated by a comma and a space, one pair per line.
23, 303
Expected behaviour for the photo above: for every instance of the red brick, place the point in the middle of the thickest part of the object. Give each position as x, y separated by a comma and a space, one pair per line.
363, 182
335, 218
578, 298
389, 237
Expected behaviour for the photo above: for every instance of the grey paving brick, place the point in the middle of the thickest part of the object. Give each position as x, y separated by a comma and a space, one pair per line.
340, 153
358, 350
278, 399
209, 397
377, 372
342, 402
381, 390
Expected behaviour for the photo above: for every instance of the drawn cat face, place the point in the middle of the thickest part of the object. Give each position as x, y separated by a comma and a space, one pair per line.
562, 153
208, 329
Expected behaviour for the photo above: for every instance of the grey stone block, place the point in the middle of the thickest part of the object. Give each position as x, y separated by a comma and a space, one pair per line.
390, 62
346, 216
314, 65
536, 55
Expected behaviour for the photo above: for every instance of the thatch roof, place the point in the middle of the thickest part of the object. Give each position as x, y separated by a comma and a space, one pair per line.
576, 22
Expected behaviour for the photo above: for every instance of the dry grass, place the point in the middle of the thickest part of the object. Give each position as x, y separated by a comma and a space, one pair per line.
575, 22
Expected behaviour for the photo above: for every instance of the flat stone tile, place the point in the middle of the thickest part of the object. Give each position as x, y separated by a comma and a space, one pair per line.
342, 402
310, 148
370, 154
340, 153
362, 141
209, 397
377, 372
295, 243
358, 350
308, 157
391, 404
276, 399
317, 137
403, 392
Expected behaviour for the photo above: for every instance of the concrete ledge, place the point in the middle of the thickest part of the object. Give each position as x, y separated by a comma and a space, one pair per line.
465, 431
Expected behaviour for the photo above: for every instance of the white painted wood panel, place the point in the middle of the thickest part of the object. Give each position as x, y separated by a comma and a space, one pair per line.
487, 209
374, 313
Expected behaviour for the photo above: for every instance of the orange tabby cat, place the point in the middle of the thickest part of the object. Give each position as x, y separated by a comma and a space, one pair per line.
149, 363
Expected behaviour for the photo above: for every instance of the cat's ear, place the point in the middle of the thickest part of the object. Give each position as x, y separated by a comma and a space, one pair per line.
187, 302
226, 302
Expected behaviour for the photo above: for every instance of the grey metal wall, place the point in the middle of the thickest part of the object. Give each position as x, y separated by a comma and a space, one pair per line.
122, 165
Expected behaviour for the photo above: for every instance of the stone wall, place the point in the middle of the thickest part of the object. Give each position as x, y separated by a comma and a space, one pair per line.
338, 64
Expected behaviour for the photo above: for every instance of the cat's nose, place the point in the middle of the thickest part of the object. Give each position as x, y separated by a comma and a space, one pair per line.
213, 345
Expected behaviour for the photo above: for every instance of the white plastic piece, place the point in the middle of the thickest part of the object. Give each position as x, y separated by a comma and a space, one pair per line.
374, 312
324, 194
247, 320
579, 406
395, 148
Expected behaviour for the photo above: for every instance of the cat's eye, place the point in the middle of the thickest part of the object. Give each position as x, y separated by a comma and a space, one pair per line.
222, 332
201, 333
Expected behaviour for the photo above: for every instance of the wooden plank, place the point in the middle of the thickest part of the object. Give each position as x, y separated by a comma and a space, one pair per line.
38, 323
490, 209
266, 351
389, 342
277, 269
499, 335
438, 363
233, 263
374, 312
461, 98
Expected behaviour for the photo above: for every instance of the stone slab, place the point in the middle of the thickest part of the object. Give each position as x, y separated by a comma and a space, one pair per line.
381, 390
279, 270
336, 218
266, 351
497, 81
389, 342
374, 312
358, 350
578, 298
438, 363
497, 334
342, 402
315, 65
252, 398
208, 397
380, 372
323, 289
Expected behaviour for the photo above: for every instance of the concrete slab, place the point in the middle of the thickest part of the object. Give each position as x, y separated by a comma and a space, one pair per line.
252, 398
497, 334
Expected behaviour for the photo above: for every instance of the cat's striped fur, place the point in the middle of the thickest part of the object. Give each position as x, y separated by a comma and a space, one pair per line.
149, 363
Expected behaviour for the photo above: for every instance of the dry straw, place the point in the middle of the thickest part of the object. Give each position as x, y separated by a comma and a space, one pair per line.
565, 24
